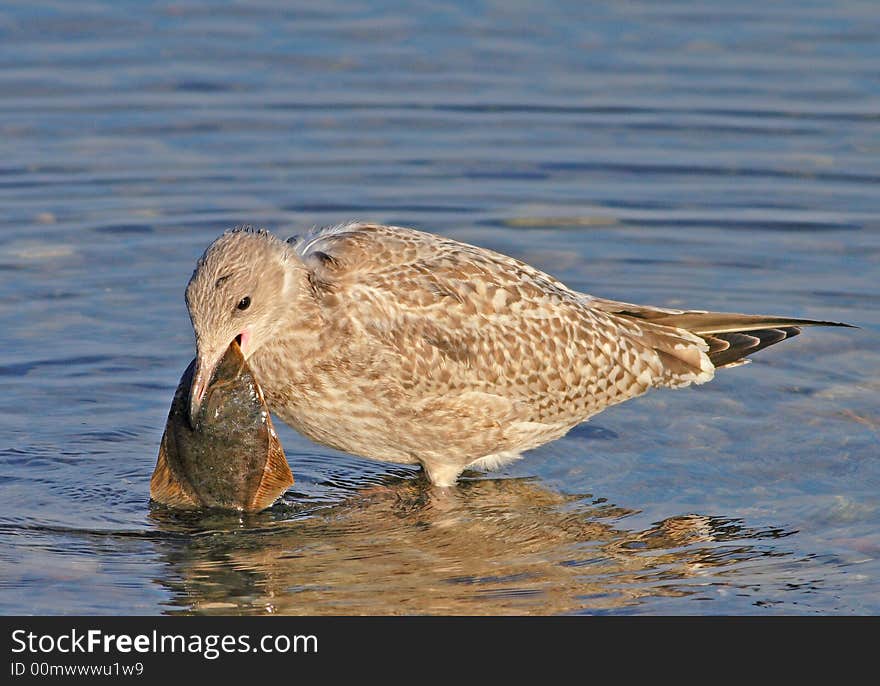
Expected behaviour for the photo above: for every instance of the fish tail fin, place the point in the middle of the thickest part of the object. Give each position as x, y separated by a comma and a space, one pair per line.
165, 487
277, 476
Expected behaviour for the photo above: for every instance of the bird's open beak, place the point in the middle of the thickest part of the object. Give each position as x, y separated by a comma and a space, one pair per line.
201, 378
206, 363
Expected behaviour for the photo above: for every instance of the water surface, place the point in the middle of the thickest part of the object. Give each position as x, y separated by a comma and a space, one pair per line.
715, 156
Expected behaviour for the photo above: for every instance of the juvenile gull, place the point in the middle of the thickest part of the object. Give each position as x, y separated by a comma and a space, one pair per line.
407, 347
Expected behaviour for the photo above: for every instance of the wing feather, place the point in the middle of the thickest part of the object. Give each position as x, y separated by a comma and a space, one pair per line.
458, 318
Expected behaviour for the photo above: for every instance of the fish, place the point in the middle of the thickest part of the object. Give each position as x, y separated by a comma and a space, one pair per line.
226, 457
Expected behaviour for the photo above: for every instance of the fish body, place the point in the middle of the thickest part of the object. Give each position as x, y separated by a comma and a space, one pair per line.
229, 456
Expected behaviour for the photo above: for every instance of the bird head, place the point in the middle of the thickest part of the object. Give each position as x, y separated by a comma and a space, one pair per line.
237, 292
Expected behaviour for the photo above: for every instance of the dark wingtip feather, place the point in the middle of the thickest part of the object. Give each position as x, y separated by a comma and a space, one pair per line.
730, 336
741, 344
821, 322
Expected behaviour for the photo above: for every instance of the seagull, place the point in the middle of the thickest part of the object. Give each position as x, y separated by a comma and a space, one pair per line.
407, 347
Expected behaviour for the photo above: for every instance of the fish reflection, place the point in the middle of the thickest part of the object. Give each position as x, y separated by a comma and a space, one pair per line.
490, 547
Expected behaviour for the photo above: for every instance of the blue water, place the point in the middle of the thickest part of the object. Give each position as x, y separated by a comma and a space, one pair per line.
714, 155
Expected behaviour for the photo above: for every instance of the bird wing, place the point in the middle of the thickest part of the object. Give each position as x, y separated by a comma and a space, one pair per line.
730, 336
459, 321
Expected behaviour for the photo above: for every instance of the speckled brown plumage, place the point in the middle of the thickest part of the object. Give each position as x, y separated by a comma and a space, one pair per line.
408, 347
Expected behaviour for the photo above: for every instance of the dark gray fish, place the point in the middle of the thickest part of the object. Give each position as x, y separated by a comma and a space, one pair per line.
230, 457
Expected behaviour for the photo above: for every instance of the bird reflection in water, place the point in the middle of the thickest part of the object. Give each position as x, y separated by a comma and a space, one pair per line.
506, 546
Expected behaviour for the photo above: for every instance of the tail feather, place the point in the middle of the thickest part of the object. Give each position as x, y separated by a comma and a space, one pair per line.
729, 349
731, 337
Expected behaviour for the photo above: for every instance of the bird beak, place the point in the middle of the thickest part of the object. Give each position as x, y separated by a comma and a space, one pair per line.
201, 378
206, 363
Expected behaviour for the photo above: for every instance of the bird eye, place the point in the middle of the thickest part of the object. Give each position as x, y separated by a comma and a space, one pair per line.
244, 303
